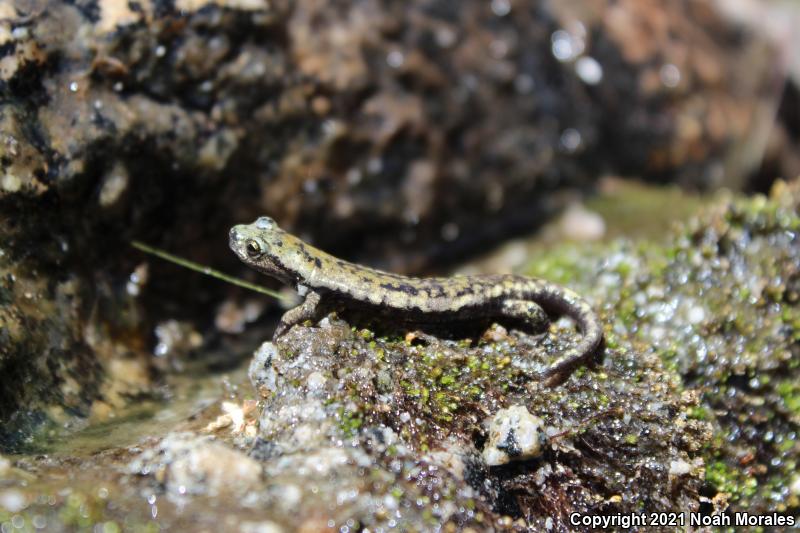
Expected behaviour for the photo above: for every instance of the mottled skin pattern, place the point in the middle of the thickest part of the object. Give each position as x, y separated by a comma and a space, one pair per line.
323, 279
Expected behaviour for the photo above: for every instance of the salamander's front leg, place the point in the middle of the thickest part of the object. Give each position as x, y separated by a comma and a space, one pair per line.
308, 310
525, 311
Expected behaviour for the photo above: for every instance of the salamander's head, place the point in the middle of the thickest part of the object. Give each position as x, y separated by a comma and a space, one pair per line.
260, 245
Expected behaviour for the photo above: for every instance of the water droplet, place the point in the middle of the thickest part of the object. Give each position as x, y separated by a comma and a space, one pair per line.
445, 37
20, 33
395, 59
498, 48
353, 176
132, 288
564, 46
571, 139
696, 315
264, 223
374, 165
501, 8
670, 75
524, 84
450, 231
589, 70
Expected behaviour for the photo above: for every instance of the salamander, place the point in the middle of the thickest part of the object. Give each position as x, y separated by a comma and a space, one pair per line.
322, 280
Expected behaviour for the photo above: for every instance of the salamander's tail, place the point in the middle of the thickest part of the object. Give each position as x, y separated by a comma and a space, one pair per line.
567, 302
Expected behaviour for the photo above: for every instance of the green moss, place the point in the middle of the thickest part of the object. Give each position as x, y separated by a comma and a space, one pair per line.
731, 480
699, 412
350, 422
439, 388
790, 393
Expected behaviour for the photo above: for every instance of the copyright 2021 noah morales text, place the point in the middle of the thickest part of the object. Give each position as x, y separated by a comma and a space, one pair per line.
629, 520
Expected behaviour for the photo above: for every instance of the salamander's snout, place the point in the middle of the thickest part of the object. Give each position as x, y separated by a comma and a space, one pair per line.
236, 240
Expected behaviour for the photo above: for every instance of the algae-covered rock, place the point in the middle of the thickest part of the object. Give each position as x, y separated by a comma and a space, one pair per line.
717, 303
623, 434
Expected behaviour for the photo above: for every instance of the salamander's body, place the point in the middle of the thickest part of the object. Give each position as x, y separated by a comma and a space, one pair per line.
321, 278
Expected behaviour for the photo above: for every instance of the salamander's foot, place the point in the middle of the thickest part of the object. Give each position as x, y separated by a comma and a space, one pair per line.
418, 335
280, 330
308, 310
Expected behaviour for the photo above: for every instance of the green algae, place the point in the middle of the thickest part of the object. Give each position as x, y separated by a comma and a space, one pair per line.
732, 481
789, 391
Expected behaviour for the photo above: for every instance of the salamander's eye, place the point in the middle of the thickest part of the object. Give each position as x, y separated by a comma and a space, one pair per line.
253, 248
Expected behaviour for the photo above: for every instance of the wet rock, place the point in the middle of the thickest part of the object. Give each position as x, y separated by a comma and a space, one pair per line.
264, 526
717, 302
348, 401
514, 435
176, 340
191, 465
45, 362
